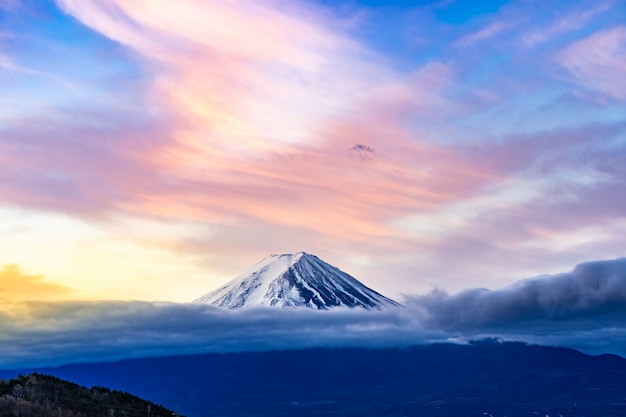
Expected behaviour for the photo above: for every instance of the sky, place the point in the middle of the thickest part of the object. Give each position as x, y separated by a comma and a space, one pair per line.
152, 150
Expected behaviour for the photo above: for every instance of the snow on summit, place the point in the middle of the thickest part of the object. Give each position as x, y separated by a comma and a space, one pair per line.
295, 280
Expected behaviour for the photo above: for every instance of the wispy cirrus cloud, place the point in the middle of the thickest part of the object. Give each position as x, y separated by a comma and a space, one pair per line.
9, 4
598, 61
571, 21
487, 32
246, 71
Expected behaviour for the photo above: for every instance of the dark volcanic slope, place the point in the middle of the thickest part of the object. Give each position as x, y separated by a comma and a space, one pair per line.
499, 379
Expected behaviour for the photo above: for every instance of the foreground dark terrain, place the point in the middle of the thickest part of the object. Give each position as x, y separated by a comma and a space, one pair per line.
37, 395
481, 379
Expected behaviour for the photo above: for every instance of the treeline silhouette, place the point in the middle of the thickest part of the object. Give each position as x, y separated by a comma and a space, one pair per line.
37, 395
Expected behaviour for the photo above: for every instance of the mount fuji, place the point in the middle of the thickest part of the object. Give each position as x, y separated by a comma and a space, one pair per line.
295, 280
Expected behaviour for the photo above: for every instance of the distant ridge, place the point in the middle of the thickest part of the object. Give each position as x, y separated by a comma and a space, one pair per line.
478, 379
295, 280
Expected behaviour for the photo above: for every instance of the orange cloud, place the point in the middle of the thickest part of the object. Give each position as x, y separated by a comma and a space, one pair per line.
16, 286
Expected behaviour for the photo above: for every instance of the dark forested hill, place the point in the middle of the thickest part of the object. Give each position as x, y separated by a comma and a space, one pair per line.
486, 378
37, 395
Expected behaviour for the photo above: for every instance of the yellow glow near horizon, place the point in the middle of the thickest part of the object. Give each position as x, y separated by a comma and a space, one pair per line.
93, 263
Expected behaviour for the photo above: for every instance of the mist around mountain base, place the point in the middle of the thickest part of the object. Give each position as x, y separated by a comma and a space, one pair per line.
583, 309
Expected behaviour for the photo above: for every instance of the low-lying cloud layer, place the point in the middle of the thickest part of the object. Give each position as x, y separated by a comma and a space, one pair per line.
583, 309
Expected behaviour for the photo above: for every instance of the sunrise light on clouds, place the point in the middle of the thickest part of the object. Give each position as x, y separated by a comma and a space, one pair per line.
151, 150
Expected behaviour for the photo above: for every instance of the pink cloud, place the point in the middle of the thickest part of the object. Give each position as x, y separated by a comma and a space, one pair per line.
262, 106
598, 62
560, 203
81, 170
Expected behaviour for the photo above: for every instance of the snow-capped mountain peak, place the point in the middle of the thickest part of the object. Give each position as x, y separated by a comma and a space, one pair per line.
295, 280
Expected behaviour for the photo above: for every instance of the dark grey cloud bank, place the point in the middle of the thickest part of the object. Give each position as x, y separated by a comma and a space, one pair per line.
584, 309
56, 333
593, 291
